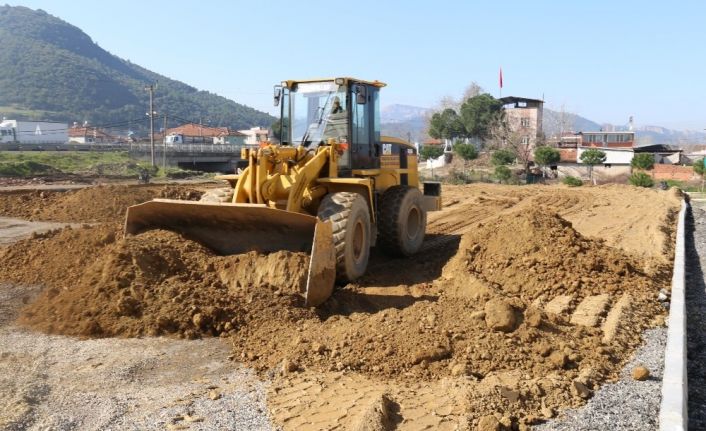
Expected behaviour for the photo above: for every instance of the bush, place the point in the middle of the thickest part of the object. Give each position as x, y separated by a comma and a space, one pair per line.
502, 157
457, 177
641, 179
466, 151
503, 173
675, 183
431, 152
572, 181
545, 156
643, 161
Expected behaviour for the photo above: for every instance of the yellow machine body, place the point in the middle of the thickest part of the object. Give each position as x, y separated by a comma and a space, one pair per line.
276, 198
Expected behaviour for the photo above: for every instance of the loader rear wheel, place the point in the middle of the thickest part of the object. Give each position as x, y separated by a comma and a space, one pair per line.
350, 217
223, 195
402, 221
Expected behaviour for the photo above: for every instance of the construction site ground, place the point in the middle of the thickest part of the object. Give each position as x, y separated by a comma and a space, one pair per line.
522, 303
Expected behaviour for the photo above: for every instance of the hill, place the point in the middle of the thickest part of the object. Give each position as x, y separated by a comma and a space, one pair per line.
404, 121
553, 122
51, 70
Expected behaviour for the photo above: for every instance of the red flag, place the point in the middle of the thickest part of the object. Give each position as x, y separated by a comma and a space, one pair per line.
501, 77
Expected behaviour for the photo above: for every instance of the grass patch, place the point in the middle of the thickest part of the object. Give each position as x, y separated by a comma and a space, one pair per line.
25, 168
572, 181
88, 163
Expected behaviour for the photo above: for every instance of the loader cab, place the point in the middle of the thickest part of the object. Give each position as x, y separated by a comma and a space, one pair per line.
345, 109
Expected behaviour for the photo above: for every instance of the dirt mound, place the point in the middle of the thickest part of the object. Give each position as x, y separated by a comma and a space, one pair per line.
180, 192
530, 313
535, 255
99, 284
26, 204
490, 322
88, 205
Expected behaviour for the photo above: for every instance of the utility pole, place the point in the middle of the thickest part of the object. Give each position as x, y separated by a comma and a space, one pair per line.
150, 88
164, 144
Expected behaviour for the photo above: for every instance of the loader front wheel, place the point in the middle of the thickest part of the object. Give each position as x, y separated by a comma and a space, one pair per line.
223, 195
350, 217
402, 221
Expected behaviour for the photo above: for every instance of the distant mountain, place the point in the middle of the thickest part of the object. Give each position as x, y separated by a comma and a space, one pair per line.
401, 120
404, 121
554, 122
401, 113
650, 135
646, 135
52, 70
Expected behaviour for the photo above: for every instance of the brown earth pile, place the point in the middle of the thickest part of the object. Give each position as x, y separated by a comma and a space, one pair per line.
537, 255
99, 284
88, 205
524, 309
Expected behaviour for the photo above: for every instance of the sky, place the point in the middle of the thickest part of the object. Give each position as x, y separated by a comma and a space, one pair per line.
604, 60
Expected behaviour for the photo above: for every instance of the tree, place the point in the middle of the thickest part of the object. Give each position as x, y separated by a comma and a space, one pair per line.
465, 151
592, 157
641, 179
446, 125
502, 157
479, 113
503, 173
643, 161
503, 137
431, 152
699, 167
471, 91
545, 156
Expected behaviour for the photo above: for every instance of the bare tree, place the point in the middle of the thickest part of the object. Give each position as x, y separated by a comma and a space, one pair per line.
502, 136
472, 90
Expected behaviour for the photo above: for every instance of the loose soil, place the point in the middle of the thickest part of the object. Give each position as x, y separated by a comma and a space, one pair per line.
89, 205
510, 309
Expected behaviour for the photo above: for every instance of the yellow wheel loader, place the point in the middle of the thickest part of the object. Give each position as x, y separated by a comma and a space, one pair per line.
332, 187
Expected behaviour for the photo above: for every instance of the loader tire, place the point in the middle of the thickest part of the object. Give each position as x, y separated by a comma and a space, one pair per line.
402, 221
223, 195
350, 216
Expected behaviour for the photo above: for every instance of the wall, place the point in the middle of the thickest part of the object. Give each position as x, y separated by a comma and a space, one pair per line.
673, 172
514, 116
612, 156
601, 173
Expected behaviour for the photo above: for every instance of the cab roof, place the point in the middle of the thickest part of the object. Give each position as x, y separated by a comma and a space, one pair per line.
289, 83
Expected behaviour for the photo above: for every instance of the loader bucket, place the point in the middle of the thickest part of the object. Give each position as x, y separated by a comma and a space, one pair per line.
238, 228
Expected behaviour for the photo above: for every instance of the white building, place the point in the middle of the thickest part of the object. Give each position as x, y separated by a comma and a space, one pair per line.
33, 132
255, 135
616, 166
613, 156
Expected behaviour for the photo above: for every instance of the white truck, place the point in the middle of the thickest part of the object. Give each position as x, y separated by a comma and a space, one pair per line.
33, 132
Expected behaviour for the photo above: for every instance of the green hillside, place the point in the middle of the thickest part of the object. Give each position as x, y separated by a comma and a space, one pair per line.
51, 70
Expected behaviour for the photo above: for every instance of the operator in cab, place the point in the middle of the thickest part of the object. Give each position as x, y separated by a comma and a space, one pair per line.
336, 108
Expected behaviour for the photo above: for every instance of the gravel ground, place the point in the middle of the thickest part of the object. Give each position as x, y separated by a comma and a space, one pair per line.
12, 229
62, 383
696, 314
631, 405
626, 404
